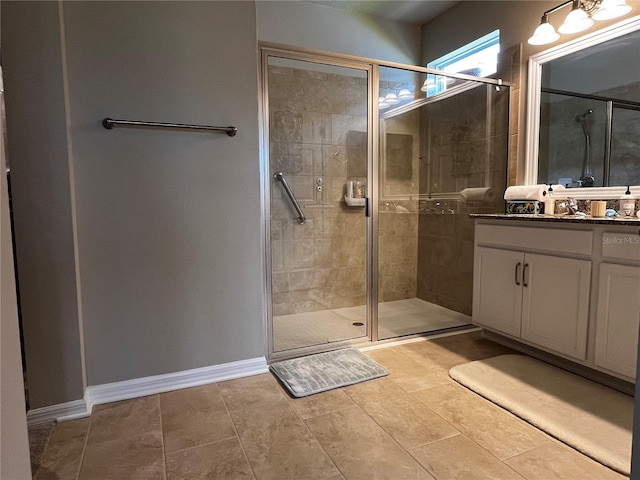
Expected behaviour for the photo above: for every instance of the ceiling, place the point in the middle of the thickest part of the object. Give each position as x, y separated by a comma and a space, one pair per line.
411, 11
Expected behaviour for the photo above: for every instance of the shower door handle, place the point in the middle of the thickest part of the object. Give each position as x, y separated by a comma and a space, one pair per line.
367, 213
280, 177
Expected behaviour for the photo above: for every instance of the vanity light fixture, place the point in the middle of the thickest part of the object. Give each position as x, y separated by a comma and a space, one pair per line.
382, 104
582, 16
577, 20
428, 83
391, 99
405, 94
611, 9
545, 33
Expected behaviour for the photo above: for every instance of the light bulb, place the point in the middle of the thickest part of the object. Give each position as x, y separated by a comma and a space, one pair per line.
405, 94
545, 33
611, 9
576, 21
391, 99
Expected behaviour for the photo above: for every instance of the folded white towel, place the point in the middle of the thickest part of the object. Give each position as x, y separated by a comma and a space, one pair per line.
526, 192
478, 194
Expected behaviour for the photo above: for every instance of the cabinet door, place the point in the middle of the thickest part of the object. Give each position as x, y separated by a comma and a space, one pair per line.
497, 289
555, 303
617, 318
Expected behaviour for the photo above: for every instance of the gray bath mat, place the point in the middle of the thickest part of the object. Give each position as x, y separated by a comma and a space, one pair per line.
326, 371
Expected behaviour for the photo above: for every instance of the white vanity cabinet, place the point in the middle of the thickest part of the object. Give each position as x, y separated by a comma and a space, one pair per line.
555, 305
565, 288
618, 307
618, 318
543, 299
497, 289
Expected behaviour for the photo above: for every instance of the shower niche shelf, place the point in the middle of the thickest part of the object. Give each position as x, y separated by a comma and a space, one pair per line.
354, 202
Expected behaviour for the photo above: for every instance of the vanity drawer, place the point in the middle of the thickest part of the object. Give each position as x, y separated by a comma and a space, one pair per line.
559, 240
625, 246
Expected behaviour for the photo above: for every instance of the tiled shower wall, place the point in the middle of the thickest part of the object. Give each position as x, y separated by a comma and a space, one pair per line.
317, 129
318, 124
398, 218
465, 146
562, 149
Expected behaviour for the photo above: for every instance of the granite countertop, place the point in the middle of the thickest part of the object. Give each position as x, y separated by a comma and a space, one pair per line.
634, 222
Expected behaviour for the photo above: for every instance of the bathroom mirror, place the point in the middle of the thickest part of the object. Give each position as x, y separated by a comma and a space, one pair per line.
584, 111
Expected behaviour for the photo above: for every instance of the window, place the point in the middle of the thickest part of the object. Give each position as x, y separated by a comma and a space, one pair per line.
478, 58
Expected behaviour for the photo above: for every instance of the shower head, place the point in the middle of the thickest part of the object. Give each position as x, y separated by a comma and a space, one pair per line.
582, 120
583, 117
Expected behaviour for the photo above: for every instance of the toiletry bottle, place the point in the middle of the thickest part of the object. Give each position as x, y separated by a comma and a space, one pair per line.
350, 189
549, 202
627, 204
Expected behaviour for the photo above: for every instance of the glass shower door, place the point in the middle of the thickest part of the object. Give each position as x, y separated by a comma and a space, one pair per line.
318, 137
442, 156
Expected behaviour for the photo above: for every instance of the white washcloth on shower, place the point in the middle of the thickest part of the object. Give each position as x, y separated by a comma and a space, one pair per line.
478, 194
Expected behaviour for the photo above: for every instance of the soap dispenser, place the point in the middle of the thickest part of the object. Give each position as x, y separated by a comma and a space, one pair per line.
549, 202
627, 204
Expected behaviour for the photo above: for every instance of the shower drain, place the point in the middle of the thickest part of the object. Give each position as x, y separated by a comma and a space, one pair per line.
357, 324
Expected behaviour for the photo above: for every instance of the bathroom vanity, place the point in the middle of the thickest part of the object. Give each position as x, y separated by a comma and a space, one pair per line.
566, 286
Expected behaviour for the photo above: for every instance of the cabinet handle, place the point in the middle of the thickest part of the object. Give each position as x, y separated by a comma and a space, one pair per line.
524, 275
517, 276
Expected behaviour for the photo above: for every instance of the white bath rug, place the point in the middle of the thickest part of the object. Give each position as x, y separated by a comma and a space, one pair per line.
594, 419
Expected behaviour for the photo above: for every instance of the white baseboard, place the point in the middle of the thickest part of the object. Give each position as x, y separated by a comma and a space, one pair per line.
59, 412
141, 387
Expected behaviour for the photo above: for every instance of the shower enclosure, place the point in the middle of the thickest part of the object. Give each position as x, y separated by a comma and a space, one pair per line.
368, 184
607, 139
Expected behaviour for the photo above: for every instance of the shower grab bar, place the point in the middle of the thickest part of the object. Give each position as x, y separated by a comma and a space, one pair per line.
109, 123
280, 177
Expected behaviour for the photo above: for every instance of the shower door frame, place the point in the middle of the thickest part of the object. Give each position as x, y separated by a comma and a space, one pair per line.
371, 275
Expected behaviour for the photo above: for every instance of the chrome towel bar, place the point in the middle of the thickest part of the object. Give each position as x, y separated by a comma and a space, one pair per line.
280, 177
109, 123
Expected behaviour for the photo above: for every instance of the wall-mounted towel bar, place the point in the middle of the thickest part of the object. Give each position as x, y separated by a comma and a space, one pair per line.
109, 123
280, 177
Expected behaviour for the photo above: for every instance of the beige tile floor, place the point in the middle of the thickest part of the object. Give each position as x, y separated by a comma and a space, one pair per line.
395, 319
414, 424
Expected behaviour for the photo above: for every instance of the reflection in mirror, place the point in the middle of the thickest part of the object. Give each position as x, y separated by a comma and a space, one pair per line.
589, 113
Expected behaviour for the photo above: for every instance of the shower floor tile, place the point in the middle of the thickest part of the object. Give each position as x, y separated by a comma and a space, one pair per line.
396, 318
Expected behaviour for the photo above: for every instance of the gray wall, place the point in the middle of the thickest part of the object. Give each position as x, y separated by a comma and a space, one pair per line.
318, 27
37, 150
14, 446
168, 222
